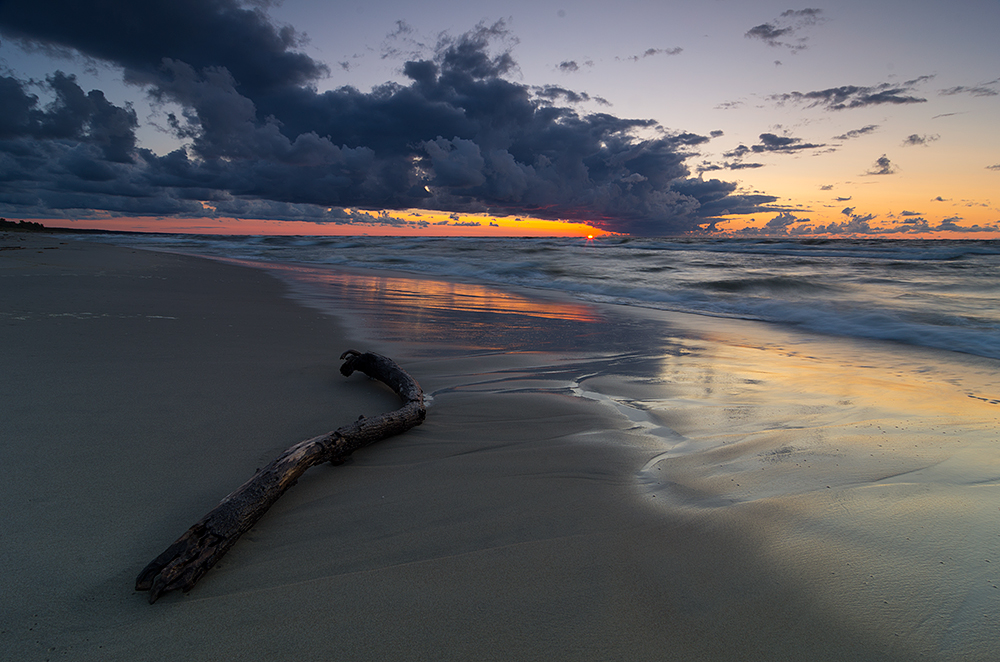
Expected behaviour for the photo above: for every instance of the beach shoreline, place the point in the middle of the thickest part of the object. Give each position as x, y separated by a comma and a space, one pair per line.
556, 504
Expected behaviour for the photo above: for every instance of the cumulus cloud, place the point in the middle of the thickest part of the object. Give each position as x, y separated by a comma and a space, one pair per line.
784, 31
458, 136
856, 224
783, 220
950, 225
920, 225
790, 225
572, 66
787, 224
882, 166
918, 140
773, 143
855, 96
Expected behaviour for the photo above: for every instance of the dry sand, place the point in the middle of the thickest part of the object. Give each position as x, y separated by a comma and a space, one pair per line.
517, 523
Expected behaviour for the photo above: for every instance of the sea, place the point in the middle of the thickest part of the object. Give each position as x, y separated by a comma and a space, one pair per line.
942, 294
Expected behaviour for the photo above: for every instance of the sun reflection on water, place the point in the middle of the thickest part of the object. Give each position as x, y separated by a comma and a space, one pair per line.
411, 309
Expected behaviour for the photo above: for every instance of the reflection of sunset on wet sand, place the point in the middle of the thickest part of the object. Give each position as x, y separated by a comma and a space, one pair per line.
867, 471
414, 309
445, 295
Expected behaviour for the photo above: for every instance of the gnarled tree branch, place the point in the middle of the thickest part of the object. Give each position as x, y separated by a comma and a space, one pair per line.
193, 554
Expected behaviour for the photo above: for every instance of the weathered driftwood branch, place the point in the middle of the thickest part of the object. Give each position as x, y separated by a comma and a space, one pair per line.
201, 547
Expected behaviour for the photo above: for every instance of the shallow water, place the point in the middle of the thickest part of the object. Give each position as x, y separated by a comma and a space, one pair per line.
942, 294
865, 472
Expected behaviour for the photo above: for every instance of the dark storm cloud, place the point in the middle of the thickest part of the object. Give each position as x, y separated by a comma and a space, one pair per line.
553, 93
854, 96
139, 35
77, 152
782, 31
73, 115
458, 137
718, 198
468, 52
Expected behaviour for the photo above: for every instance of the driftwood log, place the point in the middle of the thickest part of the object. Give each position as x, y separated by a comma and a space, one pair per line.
201, 547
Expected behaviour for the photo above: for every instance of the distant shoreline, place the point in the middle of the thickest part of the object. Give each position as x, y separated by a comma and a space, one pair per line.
35, 227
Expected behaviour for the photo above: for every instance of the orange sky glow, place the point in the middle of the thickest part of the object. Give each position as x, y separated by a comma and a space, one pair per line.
438, 224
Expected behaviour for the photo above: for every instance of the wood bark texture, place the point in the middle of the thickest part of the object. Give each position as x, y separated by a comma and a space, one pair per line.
192, 555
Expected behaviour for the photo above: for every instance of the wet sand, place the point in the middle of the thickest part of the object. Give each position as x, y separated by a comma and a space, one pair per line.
575, 503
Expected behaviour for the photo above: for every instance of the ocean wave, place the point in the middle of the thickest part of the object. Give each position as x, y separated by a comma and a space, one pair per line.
941, 294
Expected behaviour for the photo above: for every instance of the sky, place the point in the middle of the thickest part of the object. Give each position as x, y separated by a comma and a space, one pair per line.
706, 118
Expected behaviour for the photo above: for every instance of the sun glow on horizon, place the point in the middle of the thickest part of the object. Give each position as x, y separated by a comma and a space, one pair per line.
846, 219
416, 223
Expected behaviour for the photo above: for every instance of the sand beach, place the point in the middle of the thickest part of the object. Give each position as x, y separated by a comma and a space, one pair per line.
589, 484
